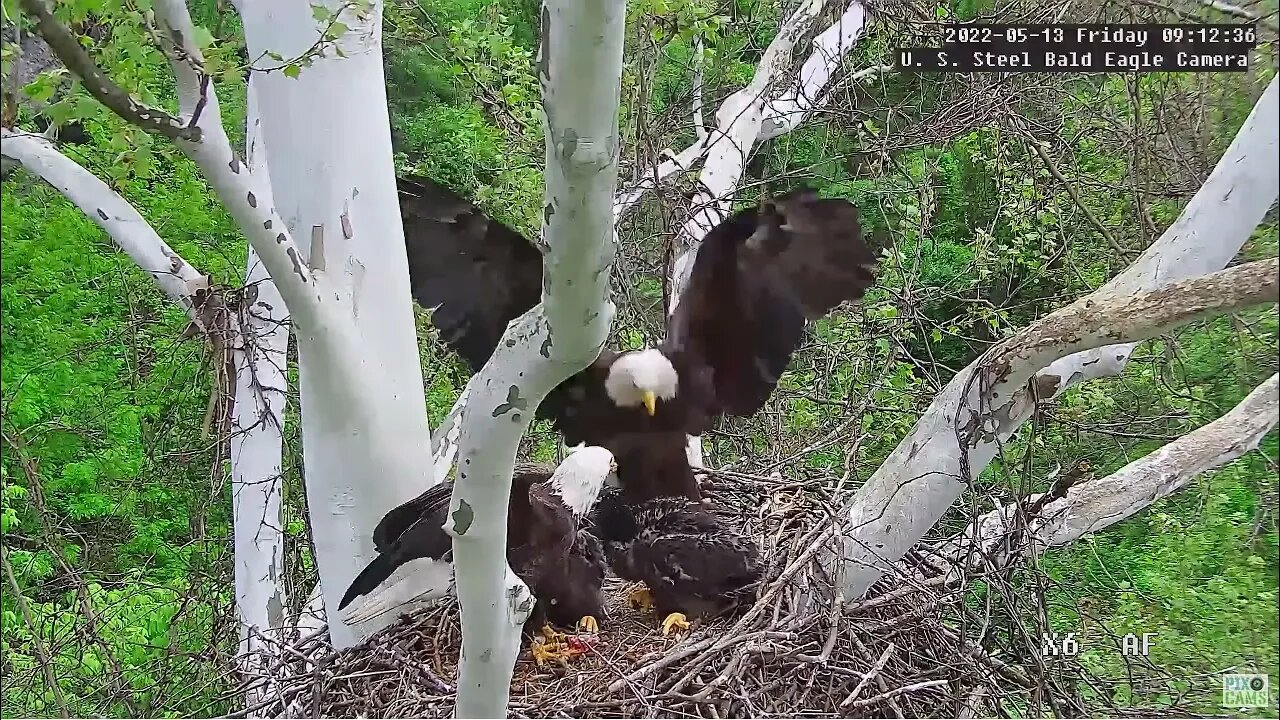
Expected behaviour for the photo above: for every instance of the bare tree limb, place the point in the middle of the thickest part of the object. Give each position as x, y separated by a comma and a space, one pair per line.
797, 103
699, 63
260, 350
121, 221
997, 539
198, 132
37, 640
984, 404
779, 115
1106, 317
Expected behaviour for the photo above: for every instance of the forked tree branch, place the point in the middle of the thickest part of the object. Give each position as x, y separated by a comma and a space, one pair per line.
984, 404
781, 114
812, 85
198, 132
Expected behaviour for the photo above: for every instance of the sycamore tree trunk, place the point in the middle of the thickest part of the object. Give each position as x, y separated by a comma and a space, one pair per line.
580, 69
363, 407
327, 134
986, 403
260, 350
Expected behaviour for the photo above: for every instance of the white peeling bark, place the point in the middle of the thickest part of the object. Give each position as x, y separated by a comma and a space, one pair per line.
328, 134
257, 460
807, 94
580, 69
364, 412
312, 615
996, 539
444, 440
122, 222
930, 468
699, 64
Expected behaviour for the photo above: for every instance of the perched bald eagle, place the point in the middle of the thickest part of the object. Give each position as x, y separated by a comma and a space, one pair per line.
758, 278
547, 545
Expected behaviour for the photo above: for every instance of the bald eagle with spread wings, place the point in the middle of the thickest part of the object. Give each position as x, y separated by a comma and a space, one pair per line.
548, 546
757, 279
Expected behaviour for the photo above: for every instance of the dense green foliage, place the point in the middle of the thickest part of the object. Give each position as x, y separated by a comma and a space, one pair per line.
122, 511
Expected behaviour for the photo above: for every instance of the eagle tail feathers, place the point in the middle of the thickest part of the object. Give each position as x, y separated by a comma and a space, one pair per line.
386, 587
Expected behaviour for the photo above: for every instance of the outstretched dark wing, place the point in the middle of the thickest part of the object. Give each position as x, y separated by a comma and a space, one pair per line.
477, 273
758, 278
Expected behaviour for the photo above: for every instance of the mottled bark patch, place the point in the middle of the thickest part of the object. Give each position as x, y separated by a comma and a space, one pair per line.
297, 263
234, 165
462, 518
568, 142
521, 604
253, 200
280, 239
102, 213
346, 225
514, 402
275, 611
266, 225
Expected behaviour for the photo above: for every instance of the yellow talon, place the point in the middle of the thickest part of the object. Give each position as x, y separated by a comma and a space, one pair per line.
552, 636
640, 598
675, 622
588, 624
543, 652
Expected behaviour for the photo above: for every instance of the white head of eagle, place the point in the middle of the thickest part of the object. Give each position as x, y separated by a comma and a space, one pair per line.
641, 378
580, 478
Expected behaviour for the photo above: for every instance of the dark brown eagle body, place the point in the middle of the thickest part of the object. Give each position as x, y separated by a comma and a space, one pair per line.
563, 566
690, 561
758, 277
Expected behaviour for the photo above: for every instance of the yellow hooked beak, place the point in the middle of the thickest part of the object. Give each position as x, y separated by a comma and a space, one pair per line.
650, 402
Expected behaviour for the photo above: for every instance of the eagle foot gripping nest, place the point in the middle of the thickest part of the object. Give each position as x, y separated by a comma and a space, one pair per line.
641, 598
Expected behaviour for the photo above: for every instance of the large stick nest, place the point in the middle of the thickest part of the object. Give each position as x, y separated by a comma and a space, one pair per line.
900, 652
